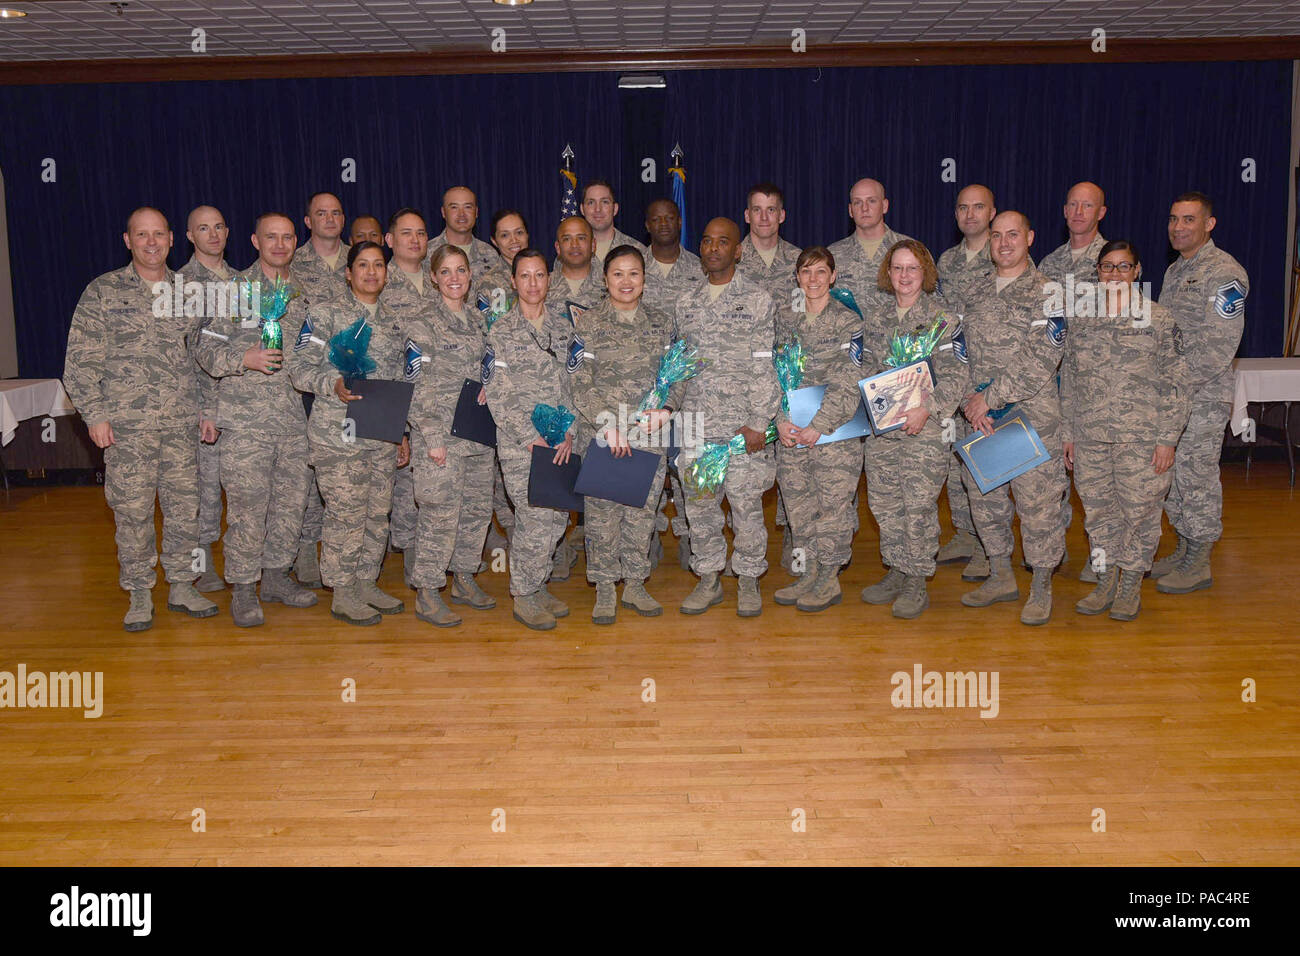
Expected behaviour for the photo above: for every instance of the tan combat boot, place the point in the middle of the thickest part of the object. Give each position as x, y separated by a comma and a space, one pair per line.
209, 580
1100, 598
244, 606
139, 616
531, 611
823, 591
707, 593
1193, 574
553, 604
749, 603
430, 609
791, 593
1128, 598
886, 589
278, 586
1038, 609
914, 599
606, 607
638, 599
960, 547
183, 597
999, 586
977, 568
465, 590
382, 602
1170, 562
348, 606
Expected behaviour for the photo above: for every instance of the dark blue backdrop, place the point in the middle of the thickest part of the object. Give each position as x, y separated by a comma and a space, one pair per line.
1144, 132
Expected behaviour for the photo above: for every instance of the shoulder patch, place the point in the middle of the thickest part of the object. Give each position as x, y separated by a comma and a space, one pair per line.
577, 351
855, 348
1230, 299
304, 335
1180, 346
489, 364
1056, 326
414, 365
959, 343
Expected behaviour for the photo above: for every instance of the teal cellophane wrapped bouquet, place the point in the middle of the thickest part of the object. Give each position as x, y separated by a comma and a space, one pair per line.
679, 363
908, 347
350, 350
552, 423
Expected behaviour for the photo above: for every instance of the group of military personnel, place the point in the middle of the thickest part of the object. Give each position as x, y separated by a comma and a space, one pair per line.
1129, 393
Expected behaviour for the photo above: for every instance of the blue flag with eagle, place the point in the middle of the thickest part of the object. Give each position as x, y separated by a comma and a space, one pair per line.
678, 173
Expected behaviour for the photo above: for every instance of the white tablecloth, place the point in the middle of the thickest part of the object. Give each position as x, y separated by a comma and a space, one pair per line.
1262, 380
23, 398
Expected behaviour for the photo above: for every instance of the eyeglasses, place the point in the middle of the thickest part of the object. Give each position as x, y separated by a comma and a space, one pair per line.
1123, 268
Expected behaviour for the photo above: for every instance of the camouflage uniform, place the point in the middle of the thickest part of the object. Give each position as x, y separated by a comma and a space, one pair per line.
818, 483
778, 279
483, 256
738, 387
621, 353
905, 473
957, 278
483, 295
1008, 339
355, 476
1057, 266
320, 284
209, 454
855, 272
412, 306
524, 367
663, 291
620, 238
1207, 296
264, 437
590, 294
135, 371
1121, 395
455, 498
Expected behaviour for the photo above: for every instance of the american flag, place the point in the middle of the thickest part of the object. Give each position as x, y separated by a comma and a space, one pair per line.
569, 201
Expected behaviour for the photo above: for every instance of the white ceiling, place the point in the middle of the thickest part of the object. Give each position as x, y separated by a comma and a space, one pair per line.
74, 29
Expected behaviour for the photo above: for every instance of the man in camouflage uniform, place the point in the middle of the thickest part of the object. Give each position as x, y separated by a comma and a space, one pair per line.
599, 207
319, 266
408, 294
460, 216
670, 271
264, 463
858, 256
961, 270
1072, 262
1014, 346
1205, 289
130, 374
365, 229
207, 231
525, 364
731, 322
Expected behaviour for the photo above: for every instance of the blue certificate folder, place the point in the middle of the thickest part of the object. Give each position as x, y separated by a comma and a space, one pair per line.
626, 481
551, 485
807, 401
1013, 449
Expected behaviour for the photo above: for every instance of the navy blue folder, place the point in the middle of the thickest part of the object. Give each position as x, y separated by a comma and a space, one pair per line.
551, 485
1013, 449
626, 481
806, 402
382, 413
472, 421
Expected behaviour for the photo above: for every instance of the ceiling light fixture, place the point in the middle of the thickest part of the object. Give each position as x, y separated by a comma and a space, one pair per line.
513, 3
6, 14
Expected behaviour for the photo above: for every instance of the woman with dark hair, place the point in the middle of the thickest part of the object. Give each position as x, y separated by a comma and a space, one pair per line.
453, 476
355, 474
524, 365
1123, 407
623, 340
818, 482
906, 467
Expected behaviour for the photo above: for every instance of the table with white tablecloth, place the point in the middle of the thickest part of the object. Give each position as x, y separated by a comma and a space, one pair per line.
24, 398
1265, 380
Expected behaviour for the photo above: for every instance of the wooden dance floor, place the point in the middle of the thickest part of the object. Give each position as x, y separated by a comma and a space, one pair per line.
548, 736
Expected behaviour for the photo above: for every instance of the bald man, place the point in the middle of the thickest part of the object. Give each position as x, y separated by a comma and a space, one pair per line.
130, 374
366, 229
732, 322
962, 269
1071, 263
207, 232
858, 256
1013, 338
460, 216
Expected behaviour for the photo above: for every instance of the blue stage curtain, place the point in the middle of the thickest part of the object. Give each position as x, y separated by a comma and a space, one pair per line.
1144, 132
